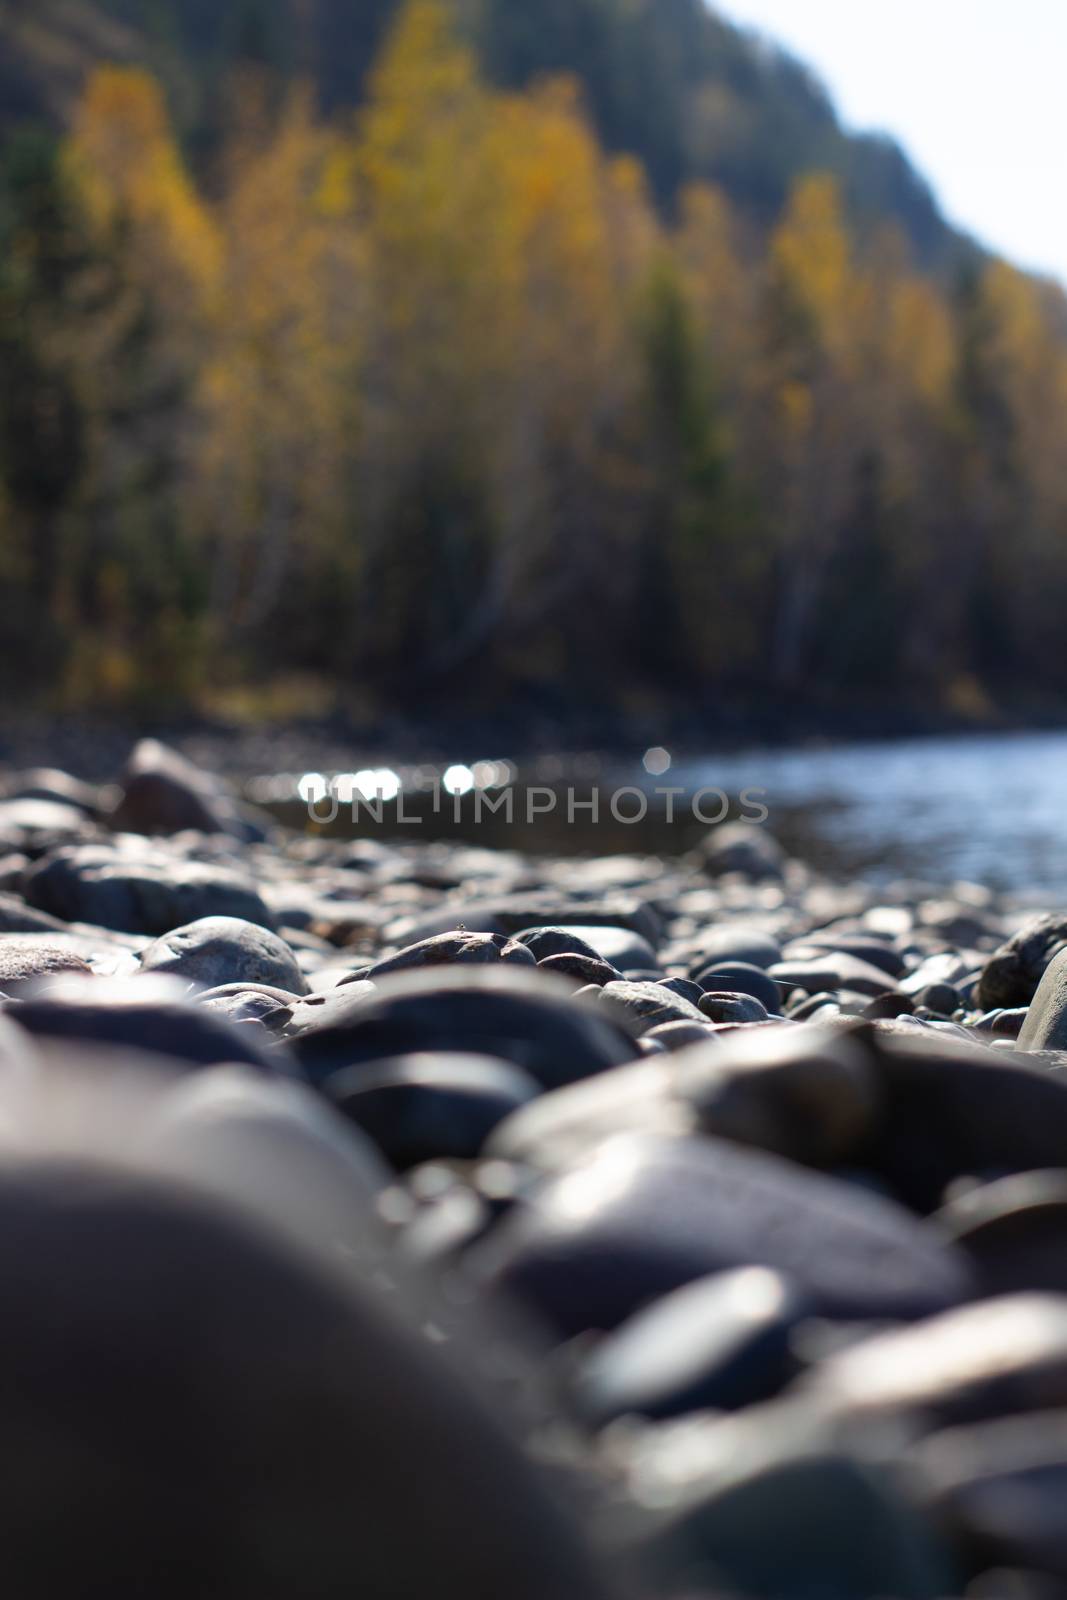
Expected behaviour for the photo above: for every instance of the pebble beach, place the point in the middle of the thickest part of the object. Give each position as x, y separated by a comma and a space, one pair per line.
393, 1218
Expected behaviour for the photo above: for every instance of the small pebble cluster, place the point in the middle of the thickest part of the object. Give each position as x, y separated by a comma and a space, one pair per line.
397, 1219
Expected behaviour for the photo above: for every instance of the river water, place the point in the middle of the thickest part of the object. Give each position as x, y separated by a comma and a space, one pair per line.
990, 808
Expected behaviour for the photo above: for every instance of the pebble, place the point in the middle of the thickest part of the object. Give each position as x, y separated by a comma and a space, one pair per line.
24, 959
1011, 975
740, 977
515, 1013
420, 1107
645, 1214
139, 889
1045, 1027
223, 950
718, 1343
152, 1016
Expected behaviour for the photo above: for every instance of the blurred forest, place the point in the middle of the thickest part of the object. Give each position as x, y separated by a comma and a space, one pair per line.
446, 354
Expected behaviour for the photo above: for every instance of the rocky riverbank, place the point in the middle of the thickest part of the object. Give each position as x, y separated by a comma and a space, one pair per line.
400, 1219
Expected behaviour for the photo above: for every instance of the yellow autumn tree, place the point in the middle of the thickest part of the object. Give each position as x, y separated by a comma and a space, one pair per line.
277, 393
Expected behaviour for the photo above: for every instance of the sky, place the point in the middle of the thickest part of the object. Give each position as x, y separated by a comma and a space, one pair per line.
974, 90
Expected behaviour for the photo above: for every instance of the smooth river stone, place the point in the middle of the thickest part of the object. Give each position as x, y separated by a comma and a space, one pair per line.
953, 1109
1011, 975
141, 889
831, 971
807, 1092
990, 1359
718, 1343
23, 959
1014, 1230
455, 949
152, 1015
789, 1517
645, 1214
183, 1383
430, 1106
514, 914
274, 1149
999, 1487
648, 1004
735, 941
565, 1125
740, 977
515, 1013
579, 969
1045, 1027
223, 950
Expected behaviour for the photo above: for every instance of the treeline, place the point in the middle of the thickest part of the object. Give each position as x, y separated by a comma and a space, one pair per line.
437, 404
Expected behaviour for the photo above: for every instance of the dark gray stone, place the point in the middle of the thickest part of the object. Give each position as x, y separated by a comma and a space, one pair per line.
1014, 1230
547, 942
1045, 1027
582, 970
645, 1214
515, 1013
1012, 973
223, 950
160, 792
151, 1015
431, 1106
718, 1343
720, 1006
139, 890
734, 941
831, 971
455, 949
952, 1109
678, 1035
743, 847
515, 914
999, 1488
740, 977
275, 1409
991, 1359
648, 1004
807, 1093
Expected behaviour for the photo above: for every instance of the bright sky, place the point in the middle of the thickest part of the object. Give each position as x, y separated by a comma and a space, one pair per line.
974, 90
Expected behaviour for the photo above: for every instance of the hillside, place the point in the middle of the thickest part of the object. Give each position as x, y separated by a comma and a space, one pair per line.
454, 404
667, 80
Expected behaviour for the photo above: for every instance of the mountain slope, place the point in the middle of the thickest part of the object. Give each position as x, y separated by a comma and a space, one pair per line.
667, 80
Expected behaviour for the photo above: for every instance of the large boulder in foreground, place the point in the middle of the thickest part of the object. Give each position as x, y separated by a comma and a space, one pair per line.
192, 1408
